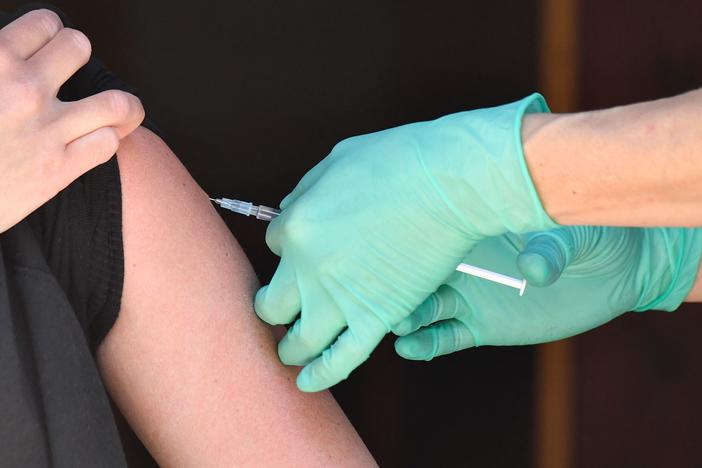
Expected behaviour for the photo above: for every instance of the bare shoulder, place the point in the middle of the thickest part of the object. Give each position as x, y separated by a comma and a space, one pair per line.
168, 215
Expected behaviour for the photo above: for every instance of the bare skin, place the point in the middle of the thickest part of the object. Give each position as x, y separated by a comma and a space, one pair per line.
635, 165
189, 364
45, 144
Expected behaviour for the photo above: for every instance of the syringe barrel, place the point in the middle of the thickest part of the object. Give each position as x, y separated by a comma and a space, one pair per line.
237, 206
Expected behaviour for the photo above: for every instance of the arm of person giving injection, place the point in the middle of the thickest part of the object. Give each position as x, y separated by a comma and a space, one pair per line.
370, 237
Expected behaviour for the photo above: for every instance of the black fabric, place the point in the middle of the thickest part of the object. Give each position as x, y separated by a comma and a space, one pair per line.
61, 275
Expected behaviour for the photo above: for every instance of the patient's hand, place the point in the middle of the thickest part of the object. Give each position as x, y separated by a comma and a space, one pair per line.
189, 364
46, 144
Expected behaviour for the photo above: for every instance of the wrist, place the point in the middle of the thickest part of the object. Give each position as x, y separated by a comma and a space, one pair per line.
582, 168
634, 165
547, 141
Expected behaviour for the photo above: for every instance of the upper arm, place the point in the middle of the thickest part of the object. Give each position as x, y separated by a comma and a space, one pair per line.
194, 371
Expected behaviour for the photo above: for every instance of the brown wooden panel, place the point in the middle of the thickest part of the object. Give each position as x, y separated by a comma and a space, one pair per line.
559, 64
639, 381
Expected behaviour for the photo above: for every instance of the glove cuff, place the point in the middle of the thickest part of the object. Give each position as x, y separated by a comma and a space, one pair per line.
684, 250
534, 103
502, 195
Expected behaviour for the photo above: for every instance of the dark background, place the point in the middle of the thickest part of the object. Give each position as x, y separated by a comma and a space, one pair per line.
639, 379
250, 95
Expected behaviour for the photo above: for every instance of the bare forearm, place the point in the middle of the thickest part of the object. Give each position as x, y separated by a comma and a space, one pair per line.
636, 165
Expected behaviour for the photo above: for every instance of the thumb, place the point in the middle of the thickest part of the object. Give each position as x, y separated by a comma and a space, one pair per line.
545, 256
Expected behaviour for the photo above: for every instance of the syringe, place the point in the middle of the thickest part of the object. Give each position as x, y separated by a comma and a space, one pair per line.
266, 213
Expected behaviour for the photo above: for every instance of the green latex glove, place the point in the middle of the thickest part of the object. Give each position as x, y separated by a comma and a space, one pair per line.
595, 274
382, 221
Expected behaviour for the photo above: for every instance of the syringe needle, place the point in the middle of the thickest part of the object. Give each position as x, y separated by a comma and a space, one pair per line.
262, 212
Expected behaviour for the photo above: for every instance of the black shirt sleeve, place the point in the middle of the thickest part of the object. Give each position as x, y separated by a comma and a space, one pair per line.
61, 274
80, 229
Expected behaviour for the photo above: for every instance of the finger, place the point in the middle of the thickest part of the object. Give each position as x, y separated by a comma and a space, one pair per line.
349, 351
112, 108
435, 340
89, 151
58, 60
445, 303
307, 339
279, 302
30, 32
545, 256
274, 234
289, 228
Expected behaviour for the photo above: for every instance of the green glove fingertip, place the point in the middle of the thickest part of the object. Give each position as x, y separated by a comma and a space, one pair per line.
537, 269
544, 258
415, 347
259, 303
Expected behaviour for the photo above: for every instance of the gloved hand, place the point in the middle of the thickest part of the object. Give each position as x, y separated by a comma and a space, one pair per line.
594, 274
382, 221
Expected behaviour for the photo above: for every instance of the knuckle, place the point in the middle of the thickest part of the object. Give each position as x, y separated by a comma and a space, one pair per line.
79, 40
118, 103
47, 20
137, 107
